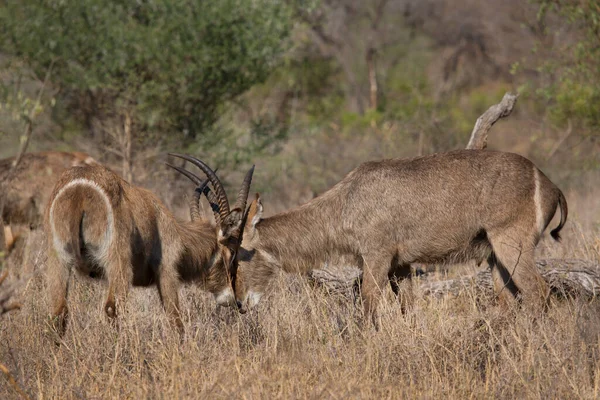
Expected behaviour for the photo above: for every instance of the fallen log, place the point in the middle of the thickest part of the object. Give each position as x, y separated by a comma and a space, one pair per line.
580, 278
572, 277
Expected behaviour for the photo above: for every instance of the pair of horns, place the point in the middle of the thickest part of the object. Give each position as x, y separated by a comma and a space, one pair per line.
218, 200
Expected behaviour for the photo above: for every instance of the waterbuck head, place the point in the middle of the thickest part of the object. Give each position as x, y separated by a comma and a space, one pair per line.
251, 281
229, 224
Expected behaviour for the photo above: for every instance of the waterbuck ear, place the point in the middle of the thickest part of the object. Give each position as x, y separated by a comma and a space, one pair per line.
254, 213
231, 223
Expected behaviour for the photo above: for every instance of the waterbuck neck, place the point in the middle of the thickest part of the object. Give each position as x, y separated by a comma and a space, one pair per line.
199, 250
303, 238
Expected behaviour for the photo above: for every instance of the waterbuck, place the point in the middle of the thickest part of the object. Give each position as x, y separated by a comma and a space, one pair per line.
102, 226
26, 190
442, 208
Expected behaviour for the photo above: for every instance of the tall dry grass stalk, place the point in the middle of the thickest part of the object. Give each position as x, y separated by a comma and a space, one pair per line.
304, 343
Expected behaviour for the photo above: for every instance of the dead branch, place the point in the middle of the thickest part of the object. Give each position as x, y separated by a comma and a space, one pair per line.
337, 279
503, 109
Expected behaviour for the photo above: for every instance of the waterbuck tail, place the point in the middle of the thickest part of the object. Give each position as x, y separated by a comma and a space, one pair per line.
564, 211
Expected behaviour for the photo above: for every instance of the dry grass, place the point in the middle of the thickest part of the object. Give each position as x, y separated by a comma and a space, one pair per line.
304, 343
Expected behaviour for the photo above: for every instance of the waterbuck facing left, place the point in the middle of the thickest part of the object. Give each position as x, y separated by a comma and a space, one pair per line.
102, 226
442, 208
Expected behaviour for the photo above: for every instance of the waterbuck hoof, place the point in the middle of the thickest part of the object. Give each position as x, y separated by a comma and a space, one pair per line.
110, 310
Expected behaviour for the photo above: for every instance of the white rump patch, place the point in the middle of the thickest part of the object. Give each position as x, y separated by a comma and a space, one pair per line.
537, 201
58, 246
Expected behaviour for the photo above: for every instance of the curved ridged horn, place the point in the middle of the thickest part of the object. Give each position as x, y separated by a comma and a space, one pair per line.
218, 186
201, 187
195, 205
243, 193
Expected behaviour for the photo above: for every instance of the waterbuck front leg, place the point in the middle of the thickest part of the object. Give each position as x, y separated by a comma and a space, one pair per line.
168, 290
376, 267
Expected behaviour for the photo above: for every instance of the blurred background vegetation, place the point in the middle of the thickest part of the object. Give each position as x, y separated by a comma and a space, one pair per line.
305, 89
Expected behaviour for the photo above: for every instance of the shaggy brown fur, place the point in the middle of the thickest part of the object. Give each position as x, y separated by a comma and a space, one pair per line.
101, 226
442, 208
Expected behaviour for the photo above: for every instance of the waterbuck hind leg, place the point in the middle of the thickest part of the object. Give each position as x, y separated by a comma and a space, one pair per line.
120, 276
401, 283
376, 267
515, 260
168, 289
505, 288
58, 275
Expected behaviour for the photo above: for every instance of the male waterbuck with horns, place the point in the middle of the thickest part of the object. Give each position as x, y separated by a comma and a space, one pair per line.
102, 226
443, 208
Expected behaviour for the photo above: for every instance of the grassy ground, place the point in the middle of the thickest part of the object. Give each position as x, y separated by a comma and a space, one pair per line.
304, 343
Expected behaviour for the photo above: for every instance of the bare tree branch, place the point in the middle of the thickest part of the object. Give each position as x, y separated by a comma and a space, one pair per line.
503, 109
